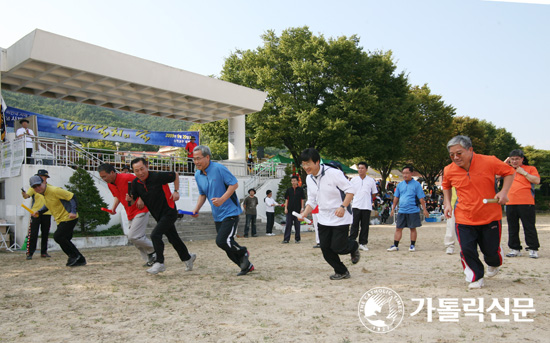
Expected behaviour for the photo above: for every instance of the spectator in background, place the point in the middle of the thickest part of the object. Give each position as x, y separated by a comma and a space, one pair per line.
294, 203
189, 148
522, 205
269, 212
449, 239
365, 191
28, 133
42, 222
406, 194
249, 204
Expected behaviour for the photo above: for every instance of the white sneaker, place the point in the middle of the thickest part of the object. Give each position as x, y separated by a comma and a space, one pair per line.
412, 248
476, 284
450, 250
363, 247
492, 271
533, 254
393, 248
156, 268
189, 262
513, 253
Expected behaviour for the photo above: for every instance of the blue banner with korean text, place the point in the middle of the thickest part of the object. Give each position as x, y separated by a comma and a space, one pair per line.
103, 132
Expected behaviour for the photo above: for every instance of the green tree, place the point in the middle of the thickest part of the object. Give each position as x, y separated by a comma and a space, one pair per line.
214, 135
316, 89
428, 149
499, 141
541, 160
380, 117
89, 201
474, 129
486, 138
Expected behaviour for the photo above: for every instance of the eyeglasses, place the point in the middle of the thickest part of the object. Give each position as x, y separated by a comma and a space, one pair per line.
196, 159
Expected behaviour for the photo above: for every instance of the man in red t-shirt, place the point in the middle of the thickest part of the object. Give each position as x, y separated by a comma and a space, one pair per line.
138, 219
477, 223
522, 205
189, 148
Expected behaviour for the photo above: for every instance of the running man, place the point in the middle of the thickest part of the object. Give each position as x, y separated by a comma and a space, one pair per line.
217, 185
329, 188
477, 224
137, 217
152, 188
62, 205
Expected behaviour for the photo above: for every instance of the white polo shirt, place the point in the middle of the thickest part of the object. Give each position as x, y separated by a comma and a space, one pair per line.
324, 189
29, 132
270, 205
364, 189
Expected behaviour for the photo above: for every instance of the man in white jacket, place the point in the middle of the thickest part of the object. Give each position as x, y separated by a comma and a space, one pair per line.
329, 188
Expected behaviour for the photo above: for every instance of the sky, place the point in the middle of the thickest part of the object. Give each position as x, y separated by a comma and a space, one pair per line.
488, 59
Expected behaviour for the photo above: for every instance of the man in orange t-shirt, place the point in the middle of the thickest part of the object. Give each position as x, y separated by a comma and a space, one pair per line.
477, 223
522, 205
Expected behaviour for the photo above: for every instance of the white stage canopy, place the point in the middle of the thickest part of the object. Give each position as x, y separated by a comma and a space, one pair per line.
46, 64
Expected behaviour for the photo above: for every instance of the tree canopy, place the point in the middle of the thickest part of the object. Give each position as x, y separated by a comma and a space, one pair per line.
326, 94
427, 150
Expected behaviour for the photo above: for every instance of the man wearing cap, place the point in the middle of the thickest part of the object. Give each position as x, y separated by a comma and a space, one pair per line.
28, 132
189, 148
62, 205
42, 222
138, 218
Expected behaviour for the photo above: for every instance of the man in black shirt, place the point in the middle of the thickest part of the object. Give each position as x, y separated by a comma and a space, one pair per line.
152, 188
294, 202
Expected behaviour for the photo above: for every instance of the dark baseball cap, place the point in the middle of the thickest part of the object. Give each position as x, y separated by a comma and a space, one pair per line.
35, 180
43, 172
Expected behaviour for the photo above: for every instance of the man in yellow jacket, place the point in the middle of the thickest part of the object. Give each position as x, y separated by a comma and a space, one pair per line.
62, 205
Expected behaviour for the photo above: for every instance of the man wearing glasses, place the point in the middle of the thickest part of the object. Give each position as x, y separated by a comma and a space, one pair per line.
478, 221
522, 205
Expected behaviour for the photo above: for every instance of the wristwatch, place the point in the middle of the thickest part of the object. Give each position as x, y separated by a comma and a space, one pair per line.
342, 206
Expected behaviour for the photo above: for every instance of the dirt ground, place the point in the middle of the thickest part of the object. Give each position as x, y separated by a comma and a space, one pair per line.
289, 298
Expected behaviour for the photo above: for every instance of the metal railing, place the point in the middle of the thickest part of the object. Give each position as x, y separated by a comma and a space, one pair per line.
59, 152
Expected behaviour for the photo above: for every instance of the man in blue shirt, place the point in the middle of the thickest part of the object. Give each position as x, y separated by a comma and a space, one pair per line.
406, 194
218, 185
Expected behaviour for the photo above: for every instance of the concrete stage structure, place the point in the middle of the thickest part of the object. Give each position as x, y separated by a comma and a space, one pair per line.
58, 67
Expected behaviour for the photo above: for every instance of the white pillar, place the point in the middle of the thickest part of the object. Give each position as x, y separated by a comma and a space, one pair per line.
236, 145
